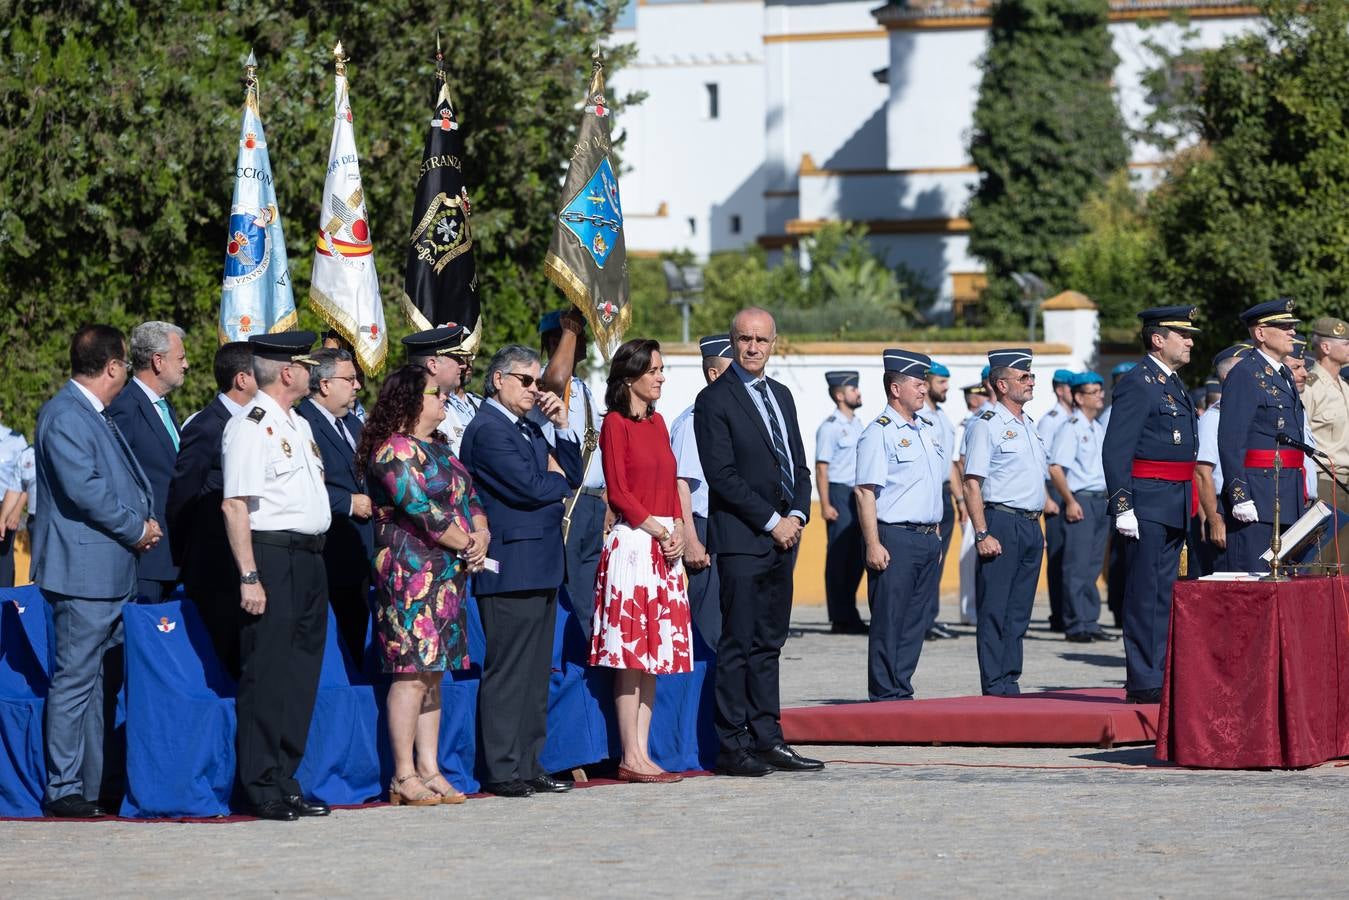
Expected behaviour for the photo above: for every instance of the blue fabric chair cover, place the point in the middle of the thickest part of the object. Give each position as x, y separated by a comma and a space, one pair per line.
683, 731
180, 715
25, 663
341, 762
580, 700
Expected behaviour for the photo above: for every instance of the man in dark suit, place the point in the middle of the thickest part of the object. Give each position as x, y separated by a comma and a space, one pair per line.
143, 413
522, 482
96, 517
333, 383
749, 442
200, 547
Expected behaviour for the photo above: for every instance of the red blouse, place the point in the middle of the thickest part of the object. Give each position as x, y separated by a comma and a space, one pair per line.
639, 468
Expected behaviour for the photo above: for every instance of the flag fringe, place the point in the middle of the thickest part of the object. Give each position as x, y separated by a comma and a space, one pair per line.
372, 363
606, 337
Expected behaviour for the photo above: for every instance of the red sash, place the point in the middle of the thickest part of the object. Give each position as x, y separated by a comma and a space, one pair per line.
1264, 459
1169, 471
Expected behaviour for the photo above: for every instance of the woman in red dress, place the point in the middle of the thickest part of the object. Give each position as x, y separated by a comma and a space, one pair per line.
641, 625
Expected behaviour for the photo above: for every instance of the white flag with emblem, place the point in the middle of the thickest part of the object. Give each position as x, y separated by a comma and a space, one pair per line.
344, 288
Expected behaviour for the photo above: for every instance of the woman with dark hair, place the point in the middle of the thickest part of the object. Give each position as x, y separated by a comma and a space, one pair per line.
430, 533
641, 625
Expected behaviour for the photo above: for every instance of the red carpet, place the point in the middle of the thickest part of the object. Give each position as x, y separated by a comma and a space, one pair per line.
1085, 717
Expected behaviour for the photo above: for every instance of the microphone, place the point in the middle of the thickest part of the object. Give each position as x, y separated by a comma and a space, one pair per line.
1293, 442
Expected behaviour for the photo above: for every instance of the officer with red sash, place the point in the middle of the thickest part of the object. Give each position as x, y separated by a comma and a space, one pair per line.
1260, 402
1148, 458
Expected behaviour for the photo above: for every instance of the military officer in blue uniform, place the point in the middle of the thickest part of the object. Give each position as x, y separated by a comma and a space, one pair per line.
1078, 476
976, 401
1005, 473
1149, 470
938, 387
1114, 572
1208, 470
835, 467
1259, 402
902, 470
703, 585
1049, 426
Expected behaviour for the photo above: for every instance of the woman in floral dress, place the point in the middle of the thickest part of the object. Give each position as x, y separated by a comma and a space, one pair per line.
430, 533
642, 627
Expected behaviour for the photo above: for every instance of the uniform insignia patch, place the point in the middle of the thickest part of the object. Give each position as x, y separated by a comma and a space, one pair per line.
315, 448
1009, 434
1268, 370
257, 413
927, 422
986, 415
285, 447
269, 431
904, 442
1053, 412
1147, 378
884, 420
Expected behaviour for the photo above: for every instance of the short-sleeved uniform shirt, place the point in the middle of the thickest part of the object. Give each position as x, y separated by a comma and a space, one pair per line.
269, 457
836, 447
1077, 450
906, 465
1010, 457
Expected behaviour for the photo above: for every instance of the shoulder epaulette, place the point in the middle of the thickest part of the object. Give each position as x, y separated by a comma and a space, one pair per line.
1053, 412
986, 415
883, 420
832, 417
257, 413
927, 422
1073, 420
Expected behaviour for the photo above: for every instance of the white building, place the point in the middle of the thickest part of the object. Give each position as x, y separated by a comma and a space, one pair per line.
766, 119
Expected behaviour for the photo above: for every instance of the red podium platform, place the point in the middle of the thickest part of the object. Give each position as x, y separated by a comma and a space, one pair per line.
1087, 717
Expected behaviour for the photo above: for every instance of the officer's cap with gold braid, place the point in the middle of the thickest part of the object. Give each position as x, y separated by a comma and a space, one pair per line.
906, 362
1271, 312
284, 346
1177, 318
444, 341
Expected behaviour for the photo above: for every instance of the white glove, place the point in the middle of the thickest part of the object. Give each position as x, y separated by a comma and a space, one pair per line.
1245, 511
1126, 523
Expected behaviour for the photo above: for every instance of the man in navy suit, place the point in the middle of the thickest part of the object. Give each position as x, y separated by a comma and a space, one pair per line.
143, 412
196, 524
522, 482
758, 477
1149, 457
96, 517
333, 383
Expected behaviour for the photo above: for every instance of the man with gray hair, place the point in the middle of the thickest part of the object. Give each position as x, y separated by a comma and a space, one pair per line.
1327, 402
350, 543
143, 413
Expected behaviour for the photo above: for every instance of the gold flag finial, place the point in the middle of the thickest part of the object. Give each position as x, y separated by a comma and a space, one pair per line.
340, 57
251, 66
251, 80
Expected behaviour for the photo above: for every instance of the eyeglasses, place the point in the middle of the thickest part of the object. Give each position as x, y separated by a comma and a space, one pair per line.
525, 380
349, 379
1028, 378
1091, 392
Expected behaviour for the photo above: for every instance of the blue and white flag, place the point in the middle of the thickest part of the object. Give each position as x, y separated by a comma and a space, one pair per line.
257, 296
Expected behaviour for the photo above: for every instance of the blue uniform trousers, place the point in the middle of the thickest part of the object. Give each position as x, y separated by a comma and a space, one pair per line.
948, 522
844, 559
1083, 550
705, 593
585, 540
1247, 541
1004, 590
1054, 526
900, 598
1151, 561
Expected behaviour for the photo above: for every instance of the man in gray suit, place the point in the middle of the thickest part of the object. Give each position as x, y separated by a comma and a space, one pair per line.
96, 518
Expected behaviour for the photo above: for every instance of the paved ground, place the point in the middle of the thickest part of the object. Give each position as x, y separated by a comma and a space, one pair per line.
879, 821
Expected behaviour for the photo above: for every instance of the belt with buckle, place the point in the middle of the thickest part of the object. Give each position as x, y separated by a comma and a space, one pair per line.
1100, 494
1023, 513
913, 526
592, 492
291, 540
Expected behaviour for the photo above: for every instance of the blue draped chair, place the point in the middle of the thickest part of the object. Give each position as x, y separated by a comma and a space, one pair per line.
25, 673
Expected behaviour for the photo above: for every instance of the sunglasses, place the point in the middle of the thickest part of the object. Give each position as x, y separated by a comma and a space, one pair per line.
525, 380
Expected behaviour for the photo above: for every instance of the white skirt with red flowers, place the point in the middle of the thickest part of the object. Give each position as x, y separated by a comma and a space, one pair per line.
642, 616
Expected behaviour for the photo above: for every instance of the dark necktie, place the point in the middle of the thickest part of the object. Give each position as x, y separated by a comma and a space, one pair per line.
346, 435
786, 481
1287, 374
121, 441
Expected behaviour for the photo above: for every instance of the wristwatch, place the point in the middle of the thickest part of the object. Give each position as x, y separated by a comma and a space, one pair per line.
249, 577
979, 536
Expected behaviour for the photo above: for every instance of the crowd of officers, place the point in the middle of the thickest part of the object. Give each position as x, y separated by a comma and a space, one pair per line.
1161, 484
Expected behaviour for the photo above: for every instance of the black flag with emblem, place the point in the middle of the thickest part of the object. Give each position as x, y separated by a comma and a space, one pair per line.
440, 282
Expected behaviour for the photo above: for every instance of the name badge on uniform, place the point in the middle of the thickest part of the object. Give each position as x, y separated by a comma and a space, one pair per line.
1279, 424
1175, 436
285, 447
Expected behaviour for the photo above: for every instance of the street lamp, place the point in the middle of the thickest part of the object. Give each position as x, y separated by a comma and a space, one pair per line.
1033, 292
686, 288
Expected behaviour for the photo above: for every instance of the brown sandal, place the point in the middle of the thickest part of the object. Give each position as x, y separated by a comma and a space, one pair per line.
450, 798
427, 797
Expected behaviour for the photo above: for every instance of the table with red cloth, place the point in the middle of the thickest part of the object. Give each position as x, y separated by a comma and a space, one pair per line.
1257, 674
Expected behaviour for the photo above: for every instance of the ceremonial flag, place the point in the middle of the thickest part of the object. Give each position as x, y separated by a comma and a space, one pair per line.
440, 281
256, 297
587, 257
344, 288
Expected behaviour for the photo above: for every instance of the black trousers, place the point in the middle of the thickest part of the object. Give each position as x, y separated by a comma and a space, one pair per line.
844, 558
1054, 526
351, 609
217, 602
704, 593
281, 653
756, 607
7, 559
585, 541
513, 694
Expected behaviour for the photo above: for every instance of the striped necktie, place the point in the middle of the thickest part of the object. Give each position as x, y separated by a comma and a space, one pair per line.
786, 480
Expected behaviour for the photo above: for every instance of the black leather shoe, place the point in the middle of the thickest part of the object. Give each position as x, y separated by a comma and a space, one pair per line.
850, 628
1083, 638
305, 807
276, 811
742, 763
788, 760
547, 784
1151, 695
1103, 636
513, 788
72, 806
945, 631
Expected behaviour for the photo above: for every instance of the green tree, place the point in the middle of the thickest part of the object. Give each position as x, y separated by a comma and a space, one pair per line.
1046, 134
1257, 209
119, 124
